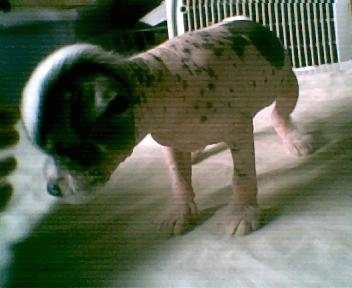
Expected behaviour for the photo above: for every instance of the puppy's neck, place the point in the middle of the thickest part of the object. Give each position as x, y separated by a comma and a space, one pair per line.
152, 82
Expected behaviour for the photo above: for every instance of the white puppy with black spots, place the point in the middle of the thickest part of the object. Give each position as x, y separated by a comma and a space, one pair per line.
87, 108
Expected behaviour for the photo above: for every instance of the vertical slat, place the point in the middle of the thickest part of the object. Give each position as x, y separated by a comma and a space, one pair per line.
250, 10
231, 8
317, 41
270, 16
222, 9
297, 27
212, 18
189, 23
201, 14
225, 8
228, 8
277, 23
244, 8
323, 31
284, 25
330, 39
207, 12
218, 9
310, 34
303, 14
290, 32
237, 7
206, 8
263, 13
194, 15
256, 11
212, 15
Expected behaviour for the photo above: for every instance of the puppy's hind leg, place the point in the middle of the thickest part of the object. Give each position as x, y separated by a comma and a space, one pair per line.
295, 143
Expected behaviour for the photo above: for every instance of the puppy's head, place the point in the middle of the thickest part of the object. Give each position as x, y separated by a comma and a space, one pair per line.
78, 109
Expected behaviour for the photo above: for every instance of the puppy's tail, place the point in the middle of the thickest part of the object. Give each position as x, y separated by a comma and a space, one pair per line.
52, 74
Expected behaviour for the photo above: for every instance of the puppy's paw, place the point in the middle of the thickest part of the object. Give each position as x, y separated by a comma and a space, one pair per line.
298, 145
242, 219
178, 217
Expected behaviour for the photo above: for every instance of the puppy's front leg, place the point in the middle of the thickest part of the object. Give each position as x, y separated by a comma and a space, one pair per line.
243, 214
183, 207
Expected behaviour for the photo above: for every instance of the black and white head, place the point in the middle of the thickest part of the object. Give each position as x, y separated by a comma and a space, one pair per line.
76, 107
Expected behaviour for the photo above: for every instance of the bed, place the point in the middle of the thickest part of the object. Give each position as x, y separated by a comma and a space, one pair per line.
113, 241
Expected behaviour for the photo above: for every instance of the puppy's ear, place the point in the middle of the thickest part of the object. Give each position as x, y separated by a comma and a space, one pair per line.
110, 96
117, 106
97, 98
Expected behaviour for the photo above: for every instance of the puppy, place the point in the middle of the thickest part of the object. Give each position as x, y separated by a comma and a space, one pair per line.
87, 108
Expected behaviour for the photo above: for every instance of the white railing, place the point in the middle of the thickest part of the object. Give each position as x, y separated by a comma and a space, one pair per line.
314, 32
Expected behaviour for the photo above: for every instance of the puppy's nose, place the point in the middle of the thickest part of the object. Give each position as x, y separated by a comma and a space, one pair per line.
54, 189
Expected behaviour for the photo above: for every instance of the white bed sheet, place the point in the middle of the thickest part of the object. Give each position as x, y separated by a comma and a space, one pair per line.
113, 241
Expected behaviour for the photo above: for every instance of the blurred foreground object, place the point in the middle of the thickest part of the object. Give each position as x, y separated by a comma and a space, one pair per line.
8, 137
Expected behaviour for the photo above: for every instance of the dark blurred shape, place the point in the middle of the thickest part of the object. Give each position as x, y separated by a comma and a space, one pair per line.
111, 14
6, 190
8, 133
115, 25
7, 165
8, 136
8, 116
5, 6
